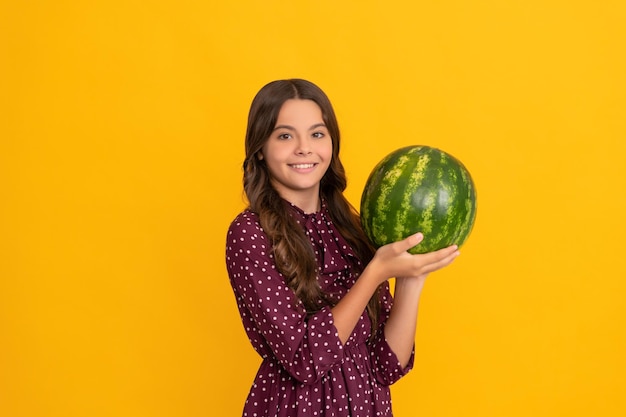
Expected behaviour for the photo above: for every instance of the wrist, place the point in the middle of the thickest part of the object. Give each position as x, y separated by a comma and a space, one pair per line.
373, 273
410, 283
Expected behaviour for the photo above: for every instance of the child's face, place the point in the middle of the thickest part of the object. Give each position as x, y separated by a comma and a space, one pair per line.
298, 151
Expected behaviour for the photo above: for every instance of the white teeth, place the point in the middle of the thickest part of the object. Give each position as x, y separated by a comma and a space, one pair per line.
303, 166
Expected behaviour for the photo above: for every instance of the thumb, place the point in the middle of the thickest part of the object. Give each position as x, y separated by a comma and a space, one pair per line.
410, 241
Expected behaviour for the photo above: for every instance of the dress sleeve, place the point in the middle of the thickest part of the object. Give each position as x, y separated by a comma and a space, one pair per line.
385, 364
307, 346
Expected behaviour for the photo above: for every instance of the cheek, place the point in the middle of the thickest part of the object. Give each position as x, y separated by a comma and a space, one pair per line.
328, 151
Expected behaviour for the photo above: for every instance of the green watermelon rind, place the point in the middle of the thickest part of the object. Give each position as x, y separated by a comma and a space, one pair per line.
419, 189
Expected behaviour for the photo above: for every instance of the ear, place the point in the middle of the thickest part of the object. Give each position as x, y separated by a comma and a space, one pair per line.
259, 155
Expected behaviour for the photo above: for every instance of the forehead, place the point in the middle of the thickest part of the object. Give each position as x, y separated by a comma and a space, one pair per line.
294, 111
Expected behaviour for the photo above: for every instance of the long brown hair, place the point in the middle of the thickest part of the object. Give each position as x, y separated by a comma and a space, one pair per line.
292, 250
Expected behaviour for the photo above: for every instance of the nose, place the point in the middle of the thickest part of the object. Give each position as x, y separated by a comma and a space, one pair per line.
304, 147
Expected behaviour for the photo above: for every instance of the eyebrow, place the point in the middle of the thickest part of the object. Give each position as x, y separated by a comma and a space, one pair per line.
288, 127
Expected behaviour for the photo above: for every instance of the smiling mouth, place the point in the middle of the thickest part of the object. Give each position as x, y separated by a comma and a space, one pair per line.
302, 166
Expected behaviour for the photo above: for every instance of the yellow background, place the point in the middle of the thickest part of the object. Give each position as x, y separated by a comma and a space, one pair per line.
122, 127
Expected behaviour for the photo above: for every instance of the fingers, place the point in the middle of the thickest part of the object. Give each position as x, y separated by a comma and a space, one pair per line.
397, 261
443, 253
439, 259
409, 242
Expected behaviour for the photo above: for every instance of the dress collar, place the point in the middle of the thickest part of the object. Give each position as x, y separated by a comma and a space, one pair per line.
335, 245
323, 209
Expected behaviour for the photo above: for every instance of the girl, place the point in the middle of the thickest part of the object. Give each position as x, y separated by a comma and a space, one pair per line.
312, 293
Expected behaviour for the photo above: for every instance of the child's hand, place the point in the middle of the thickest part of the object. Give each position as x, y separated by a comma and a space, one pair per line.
393, 260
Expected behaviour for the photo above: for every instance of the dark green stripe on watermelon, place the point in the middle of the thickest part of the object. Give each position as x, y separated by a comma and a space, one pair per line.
419, 189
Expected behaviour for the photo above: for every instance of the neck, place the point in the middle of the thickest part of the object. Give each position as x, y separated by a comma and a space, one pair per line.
307, 205
308, 201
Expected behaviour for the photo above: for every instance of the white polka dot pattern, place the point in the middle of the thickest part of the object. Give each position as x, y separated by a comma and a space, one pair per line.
306, 371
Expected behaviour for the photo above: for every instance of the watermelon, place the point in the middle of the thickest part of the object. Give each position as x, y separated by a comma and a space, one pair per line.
419, 189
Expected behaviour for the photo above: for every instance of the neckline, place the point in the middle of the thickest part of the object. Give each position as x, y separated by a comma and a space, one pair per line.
305, 214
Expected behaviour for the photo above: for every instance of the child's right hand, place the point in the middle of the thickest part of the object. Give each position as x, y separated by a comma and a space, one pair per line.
394, 260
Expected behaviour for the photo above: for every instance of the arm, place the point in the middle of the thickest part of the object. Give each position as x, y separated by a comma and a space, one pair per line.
392, 349
400, 327
392, 260
275, 320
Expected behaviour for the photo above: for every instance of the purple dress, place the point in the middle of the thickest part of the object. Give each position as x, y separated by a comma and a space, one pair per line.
306, 371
